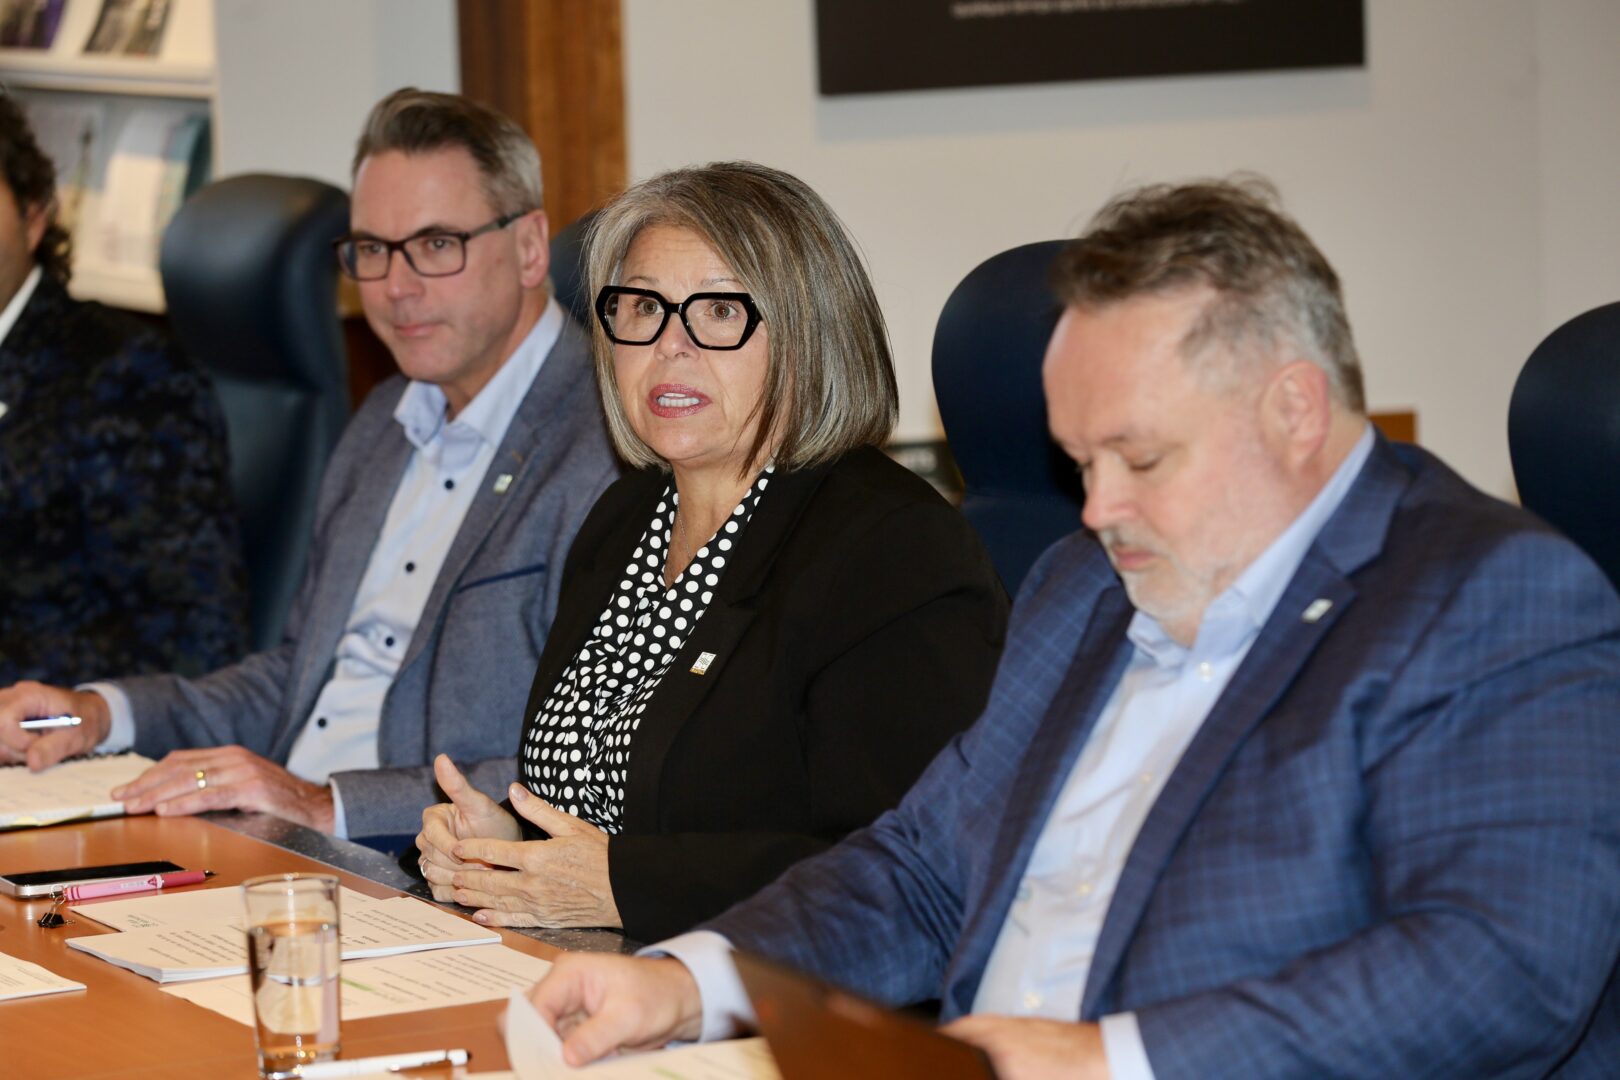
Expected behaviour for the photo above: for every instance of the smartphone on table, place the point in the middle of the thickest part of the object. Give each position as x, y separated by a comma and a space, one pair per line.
45, 882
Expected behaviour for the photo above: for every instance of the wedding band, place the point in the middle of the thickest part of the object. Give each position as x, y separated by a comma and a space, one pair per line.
202, 779
421, 864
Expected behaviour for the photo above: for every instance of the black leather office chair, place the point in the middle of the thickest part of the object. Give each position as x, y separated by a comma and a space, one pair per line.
1022, 493
251, 283
1564, 433
568, 269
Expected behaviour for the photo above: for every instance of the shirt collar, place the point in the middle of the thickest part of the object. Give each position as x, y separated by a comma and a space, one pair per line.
14, 308
1235, 616
421, 408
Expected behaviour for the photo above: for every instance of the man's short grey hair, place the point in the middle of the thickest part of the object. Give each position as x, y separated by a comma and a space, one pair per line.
1273, 287
414, 121
831, 385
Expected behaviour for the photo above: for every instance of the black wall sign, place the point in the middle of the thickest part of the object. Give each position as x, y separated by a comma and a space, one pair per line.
867, 46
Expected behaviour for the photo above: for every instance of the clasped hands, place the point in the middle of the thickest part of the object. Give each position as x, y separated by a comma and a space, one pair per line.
473, 853
184, 782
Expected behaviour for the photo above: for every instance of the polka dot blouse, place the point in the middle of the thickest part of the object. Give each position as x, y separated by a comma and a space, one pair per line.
578, 746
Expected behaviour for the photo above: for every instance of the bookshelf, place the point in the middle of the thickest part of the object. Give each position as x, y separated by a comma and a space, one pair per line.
130, 134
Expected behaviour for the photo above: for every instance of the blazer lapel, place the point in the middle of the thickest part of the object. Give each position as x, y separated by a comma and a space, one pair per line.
596, 560
1298, 624
1100, 656
724, 622
354, 529
527, 441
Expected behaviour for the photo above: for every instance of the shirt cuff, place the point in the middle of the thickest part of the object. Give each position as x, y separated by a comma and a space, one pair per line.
1122, 1046
340, 824
727, 1011
121, 733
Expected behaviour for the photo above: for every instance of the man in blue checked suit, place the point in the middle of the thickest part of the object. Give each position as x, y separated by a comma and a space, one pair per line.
1303, 759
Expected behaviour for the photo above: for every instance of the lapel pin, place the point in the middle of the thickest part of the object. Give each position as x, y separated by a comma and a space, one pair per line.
1318, 608
703, 662
4, 408
502, 482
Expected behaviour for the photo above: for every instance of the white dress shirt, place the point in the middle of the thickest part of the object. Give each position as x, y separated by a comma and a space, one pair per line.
19, 300
1042, 957
444, 472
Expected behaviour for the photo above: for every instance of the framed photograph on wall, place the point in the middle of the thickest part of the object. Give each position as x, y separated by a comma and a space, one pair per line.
865, 47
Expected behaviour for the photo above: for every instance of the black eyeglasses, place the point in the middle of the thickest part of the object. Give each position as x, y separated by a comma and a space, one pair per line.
436, 253
713, 320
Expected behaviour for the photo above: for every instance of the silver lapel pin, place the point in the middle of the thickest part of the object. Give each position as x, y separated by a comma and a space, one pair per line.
502, 482
1318, 608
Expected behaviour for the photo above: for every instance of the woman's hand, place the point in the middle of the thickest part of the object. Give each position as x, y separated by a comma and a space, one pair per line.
468, 815
558, 882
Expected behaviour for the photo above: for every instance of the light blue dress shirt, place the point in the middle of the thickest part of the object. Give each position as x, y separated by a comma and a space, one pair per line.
1043, 954
444, 472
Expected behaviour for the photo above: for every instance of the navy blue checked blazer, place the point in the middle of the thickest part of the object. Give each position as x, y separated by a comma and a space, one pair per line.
1392, 850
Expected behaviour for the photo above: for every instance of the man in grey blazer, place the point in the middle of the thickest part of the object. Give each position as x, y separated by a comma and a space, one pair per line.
444, 518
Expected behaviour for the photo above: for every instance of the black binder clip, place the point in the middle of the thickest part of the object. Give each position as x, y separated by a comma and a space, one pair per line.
53, 918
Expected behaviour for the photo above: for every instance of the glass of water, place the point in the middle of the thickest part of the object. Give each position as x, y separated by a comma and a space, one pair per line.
292, 935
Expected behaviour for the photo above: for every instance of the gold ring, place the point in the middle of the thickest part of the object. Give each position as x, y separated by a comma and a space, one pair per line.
202, 779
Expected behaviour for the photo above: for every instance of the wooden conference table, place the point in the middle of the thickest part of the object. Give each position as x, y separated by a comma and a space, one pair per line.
122, 1025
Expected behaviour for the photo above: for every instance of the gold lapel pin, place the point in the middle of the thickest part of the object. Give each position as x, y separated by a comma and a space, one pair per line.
502, 482
703, 662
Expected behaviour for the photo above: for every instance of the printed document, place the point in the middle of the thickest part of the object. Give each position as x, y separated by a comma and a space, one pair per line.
394, 984
182, 952
536, 1054
20, 979
72, 791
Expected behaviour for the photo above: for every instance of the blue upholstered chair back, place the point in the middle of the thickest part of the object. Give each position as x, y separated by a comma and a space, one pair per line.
251, 283
1021, 491
1564, 433
568, 270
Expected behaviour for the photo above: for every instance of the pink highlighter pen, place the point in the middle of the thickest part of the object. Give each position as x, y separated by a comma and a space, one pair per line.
150, 883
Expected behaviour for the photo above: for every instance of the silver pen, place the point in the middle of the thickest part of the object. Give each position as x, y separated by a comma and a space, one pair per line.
329, 1070
40, 723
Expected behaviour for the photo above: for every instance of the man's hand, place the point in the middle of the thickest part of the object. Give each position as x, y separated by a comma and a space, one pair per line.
226, 778
469, 814
558, 882
42, 749
599, 1004
1025, 1049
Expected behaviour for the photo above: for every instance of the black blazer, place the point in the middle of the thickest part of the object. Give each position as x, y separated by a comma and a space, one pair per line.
856, 629
119, 546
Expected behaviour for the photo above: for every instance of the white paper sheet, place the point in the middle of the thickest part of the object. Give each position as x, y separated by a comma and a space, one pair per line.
188, 908
536, 1054
20, 979
394, 984
66, 792
206, 950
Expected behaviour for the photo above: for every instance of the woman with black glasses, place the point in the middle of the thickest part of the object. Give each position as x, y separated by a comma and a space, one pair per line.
767, 629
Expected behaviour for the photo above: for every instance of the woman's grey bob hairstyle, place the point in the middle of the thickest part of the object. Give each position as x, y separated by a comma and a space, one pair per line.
831, 386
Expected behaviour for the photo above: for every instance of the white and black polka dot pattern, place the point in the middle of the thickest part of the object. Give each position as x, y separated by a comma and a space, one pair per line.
577, 748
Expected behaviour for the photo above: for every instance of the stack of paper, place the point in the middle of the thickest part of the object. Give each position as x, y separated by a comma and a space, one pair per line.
394, 984
20, 979
72, 791
199, 935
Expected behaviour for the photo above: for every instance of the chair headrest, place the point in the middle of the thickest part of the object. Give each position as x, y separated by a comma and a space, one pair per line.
1564, 432
988, 348
251, 281
568, 268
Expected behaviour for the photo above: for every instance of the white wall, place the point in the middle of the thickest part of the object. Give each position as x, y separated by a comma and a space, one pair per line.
1447, 181
297, 77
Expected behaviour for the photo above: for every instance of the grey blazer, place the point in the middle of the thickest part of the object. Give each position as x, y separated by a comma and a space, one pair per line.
462, 685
